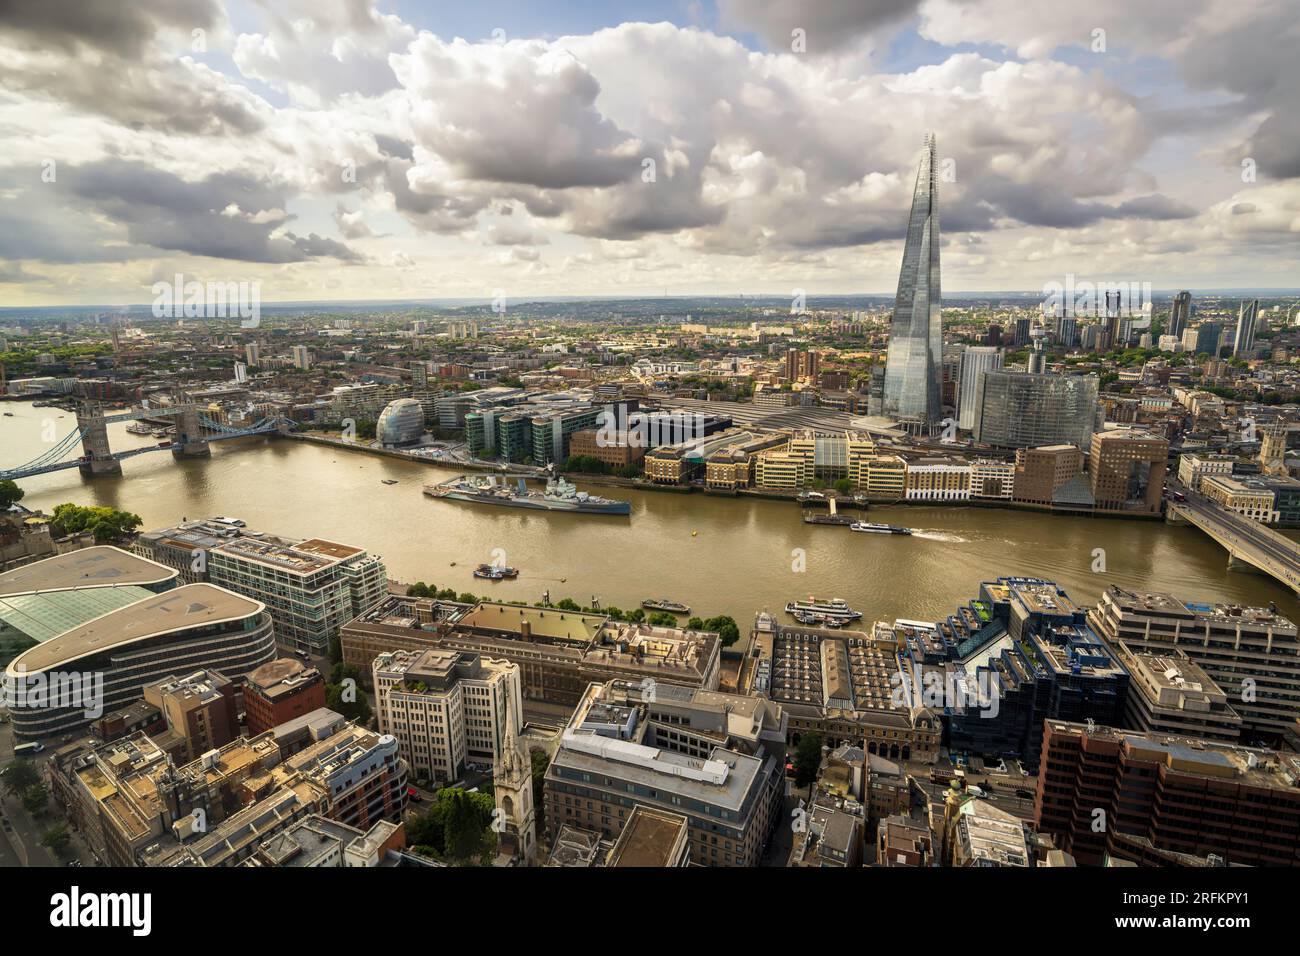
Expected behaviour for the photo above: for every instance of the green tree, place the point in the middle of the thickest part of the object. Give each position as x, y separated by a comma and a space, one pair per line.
567, 604
336, 650
807, 759
35, 798
418, 589
726, 627
467, 598
106, 524
695, 624
56, 838
636, 616
349, 700
10, 494
844, 486
18, 775
661, 619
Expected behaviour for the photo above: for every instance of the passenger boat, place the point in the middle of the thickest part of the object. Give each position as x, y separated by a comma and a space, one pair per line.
492, 572
870, 527
663, 604
835, 609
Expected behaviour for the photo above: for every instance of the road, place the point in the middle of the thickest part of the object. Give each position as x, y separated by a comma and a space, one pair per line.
1245, 534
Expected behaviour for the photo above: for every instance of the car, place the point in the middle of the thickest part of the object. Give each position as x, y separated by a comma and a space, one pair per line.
414, 795
1024, 794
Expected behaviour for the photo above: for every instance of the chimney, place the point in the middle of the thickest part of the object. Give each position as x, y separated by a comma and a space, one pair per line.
525, 630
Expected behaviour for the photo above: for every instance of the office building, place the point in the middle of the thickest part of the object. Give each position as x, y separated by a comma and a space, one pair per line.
1126, 470
446, 708
200, 710
1193, 467
977, 833
400, 423
1171, 695
558, 652
1047, 475
1166, 800
75, 675
901, 841
1250, 496
280, 691
1243, 342
938, 479
315, 841
975, 361
1251, 653
1019, 410
916, 328
1207, 339
1180, 314
713, 758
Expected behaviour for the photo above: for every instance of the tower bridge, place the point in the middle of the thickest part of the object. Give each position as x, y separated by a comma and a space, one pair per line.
195, 432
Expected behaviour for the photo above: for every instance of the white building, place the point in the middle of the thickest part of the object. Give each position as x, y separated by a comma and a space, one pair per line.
992, 480
446, 708
1192, 468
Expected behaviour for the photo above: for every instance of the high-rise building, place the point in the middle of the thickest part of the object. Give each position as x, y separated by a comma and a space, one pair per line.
975, 361
1126, 469
1021, 333
1247, 317
1019, 410
301, 356
912, 391
1165, 800
1208, 336
200, 712
253, 354
1180, 312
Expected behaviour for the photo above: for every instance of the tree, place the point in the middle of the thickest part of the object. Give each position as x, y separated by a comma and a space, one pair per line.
540, 762
418, 589
695, 624
661, 619
56, 838
567, 604
10, 494
844, 486
106, 524
357, 708
19, 775
807, 759
35, 798
467, 598
636, 616
726, 627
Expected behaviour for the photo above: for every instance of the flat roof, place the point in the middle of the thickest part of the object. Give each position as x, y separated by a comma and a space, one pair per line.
98, 567
192, 605
648, 838
543, 622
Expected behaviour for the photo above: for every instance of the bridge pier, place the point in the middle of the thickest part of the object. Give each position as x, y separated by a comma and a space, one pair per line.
98, 459
189, 440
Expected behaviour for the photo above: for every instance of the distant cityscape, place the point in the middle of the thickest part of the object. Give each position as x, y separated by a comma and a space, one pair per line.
581, 582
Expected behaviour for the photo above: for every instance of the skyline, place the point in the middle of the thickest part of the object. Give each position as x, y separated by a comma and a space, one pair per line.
354, 151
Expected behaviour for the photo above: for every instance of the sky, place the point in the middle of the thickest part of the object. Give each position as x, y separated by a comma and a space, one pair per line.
395, 149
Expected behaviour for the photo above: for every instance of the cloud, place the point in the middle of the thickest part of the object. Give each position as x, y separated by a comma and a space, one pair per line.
827, 24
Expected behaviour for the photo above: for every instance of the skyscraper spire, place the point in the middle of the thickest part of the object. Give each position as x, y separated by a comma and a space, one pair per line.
914, 365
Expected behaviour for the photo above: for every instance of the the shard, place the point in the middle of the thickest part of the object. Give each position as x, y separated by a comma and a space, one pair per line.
912, 372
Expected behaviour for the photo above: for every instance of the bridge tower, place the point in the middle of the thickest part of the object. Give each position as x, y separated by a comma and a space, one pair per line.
189, 435
99, 458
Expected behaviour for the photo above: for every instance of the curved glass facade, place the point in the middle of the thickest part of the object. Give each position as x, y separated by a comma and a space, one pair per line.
400, 423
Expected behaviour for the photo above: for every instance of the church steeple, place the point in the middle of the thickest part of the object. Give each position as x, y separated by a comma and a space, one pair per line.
512, 783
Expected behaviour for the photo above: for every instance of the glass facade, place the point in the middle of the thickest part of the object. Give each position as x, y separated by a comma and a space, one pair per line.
912, 371
1019, 410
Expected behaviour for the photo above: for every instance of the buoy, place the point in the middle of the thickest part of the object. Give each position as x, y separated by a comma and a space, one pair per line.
694, 533
453, 564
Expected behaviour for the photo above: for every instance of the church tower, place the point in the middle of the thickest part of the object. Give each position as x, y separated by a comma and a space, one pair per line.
1272, 449
512, 782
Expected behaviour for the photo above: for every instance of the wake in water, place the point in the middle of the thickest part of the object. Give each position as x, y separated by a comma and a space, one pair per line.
933, 534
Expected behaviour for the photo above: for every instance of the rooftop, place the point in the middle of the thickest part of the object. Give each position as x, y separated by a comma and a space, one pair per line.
649, 838
193, 605
97, 567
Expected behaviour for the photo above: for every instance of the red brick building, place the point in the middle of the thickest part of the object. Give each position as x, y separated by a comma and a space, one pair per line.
279, 691
1158, 799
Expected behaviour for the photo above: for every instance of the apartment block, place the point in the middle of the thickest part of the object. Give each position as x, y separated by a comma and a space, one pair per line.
279, 691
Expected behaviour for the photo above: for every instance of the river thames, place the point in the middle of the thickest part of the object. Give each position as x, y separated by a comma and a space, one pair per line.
719, 555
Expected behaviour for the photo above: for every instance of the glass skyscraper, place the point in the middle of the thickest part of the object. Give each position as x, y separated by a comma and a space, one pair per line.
912, 370
1020, 410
